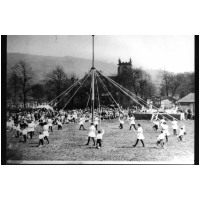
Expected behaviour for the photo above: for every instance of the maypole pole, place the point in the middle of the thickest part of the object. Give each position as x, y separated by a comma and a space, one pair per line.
93, 79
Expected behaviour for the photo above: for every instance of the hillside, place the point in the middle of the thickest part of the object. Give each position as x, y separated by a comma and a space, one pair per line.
44, 64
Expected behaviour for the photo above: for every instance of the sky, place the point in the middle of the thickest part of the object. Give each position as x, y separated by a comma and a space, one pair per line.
172, 53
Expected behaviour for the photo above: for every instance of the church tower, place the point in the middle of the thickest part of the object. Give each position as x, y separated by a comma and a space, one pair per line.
124, 66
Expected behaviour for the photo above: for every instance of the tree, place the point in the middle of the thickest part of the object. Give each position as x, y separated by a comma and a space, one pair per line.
170, 83
56, 82
23, 79
13, 87
38, 92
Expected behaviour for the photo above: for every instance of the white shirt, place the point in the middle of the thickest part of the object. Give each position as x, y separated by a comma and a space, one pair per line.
140, 135
161, 136
41, 136
132, 120
96, 120
82, 120
24, 132
45, 127
49, 122
100, 135
59, 123
156, 123
181, 132
92, 131
31, 127
121, 121
174, 125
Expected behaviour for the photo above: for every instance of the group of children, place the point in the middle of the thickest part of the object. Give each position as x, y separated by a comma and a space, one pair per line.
92, 135
164, 133
26, 129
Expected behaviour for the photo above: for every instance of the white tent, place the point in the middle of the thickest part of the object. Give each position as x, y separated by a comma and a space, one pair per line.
44, 106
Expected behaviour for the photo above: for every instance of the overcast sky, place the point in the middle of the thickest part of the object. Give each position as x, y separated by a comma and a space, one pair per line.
175, 53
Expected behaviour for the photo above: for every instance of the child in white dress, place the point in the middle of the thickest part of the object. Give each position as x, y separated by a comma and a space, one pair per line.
140, 136
91, 134
121, 121
99, 138
174, 126
160, 139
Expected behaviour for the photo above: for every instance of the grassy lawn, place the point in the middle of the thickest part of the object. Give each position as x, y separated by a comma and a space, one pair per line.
69, 145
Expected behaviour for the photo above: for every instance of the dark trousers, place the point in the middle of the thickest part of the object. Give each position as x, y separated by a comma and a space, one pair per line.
99, 141
89, 140
166, 138
50, 128
161, 142
24, 136
31, 134
138, 141
174, 130
41, 142
133, 125
81, 126
46, 138
96, 126
155, 127
180, 137
59, 127
121, 126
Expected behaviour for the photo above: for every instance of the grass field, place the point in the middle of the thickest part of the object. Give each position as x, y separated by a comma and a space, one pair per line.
69, 145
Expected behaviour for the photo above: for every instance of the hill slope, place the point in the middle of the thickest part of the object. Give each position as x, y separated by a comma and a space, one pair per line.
44, 64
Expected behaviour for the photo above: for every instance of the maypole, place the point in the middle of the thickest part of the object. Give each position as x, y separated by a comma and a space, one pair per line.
93, 79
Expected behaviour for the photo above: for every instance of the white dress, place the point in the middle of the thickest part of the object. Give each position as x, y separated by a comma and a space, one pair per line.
45, 130
96, 121
31, 127
92, 131
140, 135
132, 120
161, 136
174, 125
165, 130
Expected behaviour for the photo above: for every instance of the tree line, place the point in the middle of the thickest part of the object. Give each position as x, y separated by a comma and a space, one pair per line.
22, 85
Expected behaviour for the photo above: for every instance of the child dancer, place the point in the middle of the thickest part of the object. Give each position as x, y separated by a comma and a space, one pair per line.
31, 129
121, 121
174, 126
165, 130
160, 139
41, 139
96, 122
82, 120
59, 125
99, 138
91, 134
180, 136
132, 119
24, 133
156, 126
46, 132
140, 136
50, 124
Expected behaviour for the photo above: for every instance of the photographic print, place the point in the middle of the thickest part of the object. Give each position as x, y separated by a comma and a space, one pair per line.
100, 99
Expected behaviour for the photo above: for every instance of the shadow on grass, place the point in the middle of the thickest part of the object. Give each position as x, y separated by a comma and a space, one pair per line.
12, 154
34, 145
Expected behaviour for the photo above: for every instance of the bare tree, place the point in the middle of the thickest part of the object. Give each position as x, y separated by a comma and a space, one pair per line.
23, 79
56, 81
170, 83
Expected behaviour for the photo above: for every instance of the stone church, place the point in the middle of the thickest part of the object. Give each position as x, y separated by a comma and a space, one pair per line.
124, 67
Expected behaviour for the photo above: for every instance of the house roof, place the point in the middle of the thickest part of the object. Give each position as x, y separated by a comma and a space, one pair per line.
189, 98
